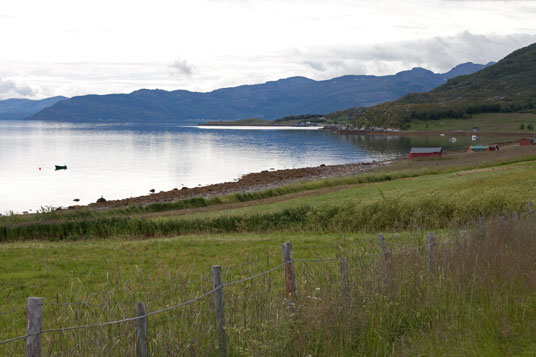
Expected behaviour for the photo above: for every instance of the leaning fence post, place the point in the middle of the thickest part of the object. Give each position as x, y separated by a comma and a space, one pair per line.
217, 283
34, 322
431, 253
142, 342
388, 264
531, 209
288, 260
464, 237
345, 281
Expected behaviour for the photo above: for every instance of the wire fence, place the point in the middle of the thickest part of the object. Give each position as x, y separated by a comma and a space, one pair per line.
131, 301
287, 264
176, 306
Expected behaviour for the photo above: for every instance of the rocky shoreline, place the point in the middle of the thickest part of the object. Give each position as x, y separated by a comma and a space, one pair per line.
252, 182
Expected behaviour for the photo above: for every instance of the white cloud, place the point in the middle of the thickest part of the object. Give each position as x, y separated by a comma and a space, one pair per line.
180, 68
233, 42
439, 54
10, 89
317, 66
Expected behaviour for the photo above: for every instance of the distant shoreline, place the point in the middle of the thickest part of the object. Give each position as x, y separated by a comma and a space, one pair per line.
429, 133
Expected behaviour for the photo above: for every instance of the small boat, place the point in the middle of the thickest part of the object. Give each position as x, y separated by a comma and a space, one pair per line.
452, 140
474, 137
61, 167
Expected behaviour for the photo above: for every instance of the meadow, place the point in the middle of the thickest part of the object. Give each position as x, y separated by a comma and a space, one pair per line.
487, 122
94, 266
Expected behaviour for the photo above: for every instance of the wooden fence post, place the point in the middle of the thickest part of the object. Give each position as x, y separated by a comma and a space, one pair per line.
482, 227
431, 253
217, 283
464, 237
531, 209
34, 322
142, 341
388, 264
345, 280
288, 260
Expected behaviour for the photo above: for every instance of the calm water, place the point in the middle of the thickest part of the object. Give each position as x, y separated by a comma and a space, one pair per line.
119, 161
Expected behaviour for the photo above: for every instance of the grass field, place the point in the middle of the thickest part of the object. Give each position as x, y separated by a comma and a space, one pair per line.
488, 122
481, 302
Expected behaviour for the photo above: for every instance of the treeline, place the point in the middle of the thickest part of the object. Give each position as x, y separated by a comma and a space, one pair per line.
434, 112
309, 117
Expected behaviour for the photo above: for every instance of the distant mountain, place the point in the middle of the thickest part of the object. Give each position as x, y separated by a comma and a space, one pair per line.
271, 100
507, 86
13, 109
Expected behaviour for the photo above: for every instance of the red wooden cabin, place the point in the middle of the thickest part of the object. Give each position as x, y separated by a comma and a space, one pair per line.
425, 152
527, 142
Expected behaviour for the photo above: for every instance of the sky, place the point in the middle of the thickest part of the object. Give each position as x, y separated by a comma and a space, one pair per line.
69, 48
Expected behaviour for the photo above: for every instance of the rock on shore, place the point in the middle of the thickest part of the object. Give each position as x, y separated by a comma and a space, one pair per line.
252, 182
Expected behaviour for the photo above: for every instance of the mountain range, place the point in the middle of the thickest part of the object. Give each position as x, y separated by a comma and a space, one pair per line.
507, 86
270, 100
14, 109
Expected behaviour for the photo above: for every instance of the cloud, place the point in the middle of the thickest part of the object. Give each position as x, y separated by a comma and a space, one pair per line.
505, 1
438, 54
180, 68
9, 89
317, 66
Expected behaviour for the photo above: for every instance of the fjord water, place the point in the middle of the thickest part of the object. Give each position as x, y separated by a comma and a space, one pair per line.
124, 160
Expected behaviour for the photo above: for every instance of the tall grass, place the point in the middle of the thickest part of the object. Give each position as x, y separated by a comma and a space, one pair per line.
438, 210
481, 300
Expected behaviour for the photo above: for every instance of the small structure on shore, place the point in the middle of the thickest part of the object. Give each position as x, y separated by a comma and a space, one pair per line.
417, 152
527, 142
477, 148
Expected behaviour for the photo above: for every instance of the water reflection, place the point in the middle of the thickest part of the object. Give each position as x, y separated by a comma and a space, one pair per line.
121, 160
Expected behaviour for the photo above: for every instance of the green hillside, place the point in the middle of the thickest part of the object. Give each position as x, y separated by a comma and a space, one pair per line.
242, 122
508, 86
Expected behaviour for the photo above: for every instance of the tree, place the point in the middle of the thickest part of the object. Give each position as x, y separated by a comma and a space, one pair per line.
522, 126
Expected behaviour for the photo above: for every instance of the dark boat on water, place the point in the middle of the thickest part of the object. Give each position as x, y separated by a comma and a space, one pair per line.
61, 167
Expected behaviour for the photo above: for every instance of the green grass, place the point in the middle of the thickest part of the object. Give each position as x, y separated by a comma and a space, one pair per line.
516, 181
488, 122
481, 301
426, 201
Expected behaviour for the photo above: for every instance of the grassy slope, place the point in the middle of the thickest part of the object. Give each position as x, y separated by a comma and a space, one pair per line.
488, 122
515, 181
242, 122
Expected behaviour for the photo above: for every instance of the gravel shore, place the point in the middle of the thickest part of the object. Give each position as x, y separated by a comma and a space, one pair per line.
252, 182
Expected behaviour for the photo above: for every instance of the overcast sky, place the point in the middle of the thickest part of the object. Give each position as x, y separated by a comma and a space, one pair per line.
66, 47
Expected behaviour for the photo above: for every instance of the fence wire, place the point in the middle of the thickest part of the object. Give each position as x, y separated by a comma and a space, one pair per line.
210, 292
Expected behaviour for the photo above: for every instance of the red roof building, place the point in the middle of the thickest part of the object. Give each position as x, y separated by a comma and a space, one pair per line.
425, 152
527, 142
